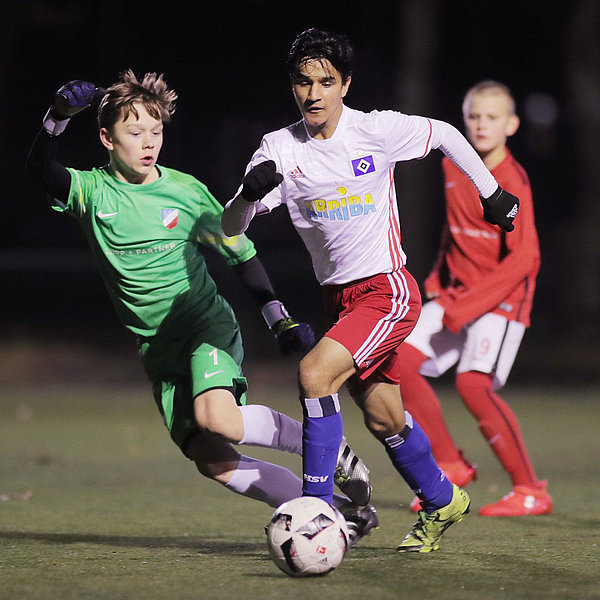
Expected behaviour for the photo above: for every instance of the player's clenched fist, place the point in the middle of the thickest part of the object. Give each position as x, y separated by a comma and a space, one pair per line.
293, 337
500, 209
70, 99
75, 96
260, 180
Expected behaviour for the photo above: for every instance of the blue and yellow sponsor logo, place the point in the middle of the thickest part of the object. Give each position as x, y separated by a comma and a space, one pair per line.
341, 209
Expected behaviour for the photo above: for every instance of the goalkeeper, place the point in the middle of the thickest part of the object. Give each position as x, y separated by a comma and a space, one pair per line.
143, 222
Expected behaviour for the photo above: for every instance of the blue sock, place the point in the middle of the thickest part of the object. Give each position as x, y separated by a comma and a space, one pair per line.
322, 432
410, 452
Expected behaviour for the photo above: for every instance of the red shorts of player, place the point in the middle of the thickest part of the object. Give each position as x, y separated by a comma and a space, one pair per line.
371, 319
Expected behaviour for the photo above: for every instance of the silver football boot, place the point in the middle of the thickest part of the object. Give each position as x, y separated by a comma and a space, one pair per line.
352, 476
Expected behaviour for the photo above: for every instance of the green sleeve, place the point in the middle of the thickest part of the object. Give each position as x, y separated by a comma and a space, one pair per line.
82, 183
236, 249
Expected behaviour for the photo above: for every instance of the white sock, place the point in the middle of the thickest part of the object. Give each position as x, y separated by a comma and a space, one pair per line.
268, 482
270, 429
264, 481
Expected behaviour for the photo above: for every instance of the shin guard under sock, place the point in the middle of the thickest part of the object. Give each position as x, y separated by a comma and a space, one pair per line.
322, 432
422, 402
410, 453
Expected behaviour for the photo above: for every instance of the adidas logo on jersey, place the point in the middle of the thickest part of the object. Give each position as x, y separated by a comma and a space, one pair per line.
296, 173
513, 212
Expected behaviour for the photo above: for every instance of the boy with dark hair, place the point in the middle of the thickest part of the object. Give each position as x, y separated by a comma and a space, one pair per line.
143, 222
334, 172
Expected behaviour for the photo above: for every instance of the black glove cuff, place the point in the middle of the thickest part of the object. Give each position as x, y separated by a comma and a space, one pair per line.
494, 197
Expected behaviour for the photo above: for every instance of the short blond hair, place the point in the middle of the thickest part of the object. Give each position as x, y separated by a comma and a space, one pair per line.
152, 92
489, 86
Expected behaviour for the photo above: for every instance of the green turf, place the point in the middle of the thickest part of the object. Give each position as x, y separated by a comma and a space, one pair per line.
96, 503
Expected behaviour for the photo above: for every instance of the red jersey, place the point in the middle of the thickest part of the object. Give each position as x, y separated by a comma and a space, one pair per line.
480, 268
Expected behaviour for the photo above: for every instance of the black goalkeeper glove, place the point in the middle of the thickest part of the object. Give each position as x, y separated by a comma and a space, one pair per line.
260, 180
70, 99
500, 209
291, 336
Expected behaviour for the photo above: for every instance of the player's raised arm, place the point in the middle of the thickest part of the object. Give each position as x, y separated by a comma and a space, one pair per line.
499, 206
257, 183
42, 166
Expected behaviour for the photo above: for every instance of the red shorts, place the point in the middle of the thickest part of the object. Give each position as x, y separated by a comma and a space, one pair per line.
371, 319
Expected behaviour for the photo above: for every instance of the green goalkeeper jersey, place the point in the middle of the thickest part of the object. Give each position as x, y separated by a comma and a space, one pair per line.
144, 238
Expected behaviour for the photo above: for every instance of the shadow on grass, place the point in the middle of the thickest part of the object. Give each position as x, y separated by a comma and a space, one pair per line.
183, 543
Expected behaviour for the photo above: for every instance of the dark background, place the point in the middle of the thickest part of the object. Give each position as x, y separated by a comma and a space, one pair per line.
227, 62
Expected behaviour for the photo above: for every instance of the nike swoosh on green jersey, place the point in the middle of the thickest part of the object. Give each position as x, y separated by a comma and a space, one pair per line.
207, 375
106, 215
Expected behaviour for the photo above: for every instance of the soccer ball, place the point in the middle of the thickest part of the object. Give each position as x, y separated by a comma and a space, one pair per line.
306, 537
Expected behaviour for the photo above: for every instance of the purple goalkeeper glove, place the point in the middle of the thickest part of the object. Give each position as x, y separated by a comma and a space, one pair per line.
293, 337
500, 209
75, 96
70, 99
260, 180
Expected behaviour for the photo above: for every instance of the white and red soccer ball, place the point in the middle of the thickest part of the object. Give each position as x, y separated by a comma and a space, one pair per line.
307, 537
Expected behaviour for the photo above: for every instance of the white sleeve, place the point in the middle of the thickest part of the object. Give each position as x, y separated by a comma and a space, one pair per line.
408, 137
238, 212
455, 146
237, 216
274, 197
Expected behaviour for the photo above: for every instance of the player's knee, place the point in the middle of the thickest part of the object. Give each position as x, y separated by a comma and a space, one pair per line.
472, 382
209, 416
217, 413
474, 388
213, 458
220, 472
384, 424
310, 378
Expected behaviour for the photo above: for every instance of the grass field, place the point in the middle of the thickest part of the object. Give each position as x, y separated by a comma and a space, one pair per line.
97, 503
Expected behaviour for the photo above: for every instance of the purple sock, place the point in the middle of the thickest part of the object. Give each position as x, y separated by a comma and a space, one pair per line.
410, 452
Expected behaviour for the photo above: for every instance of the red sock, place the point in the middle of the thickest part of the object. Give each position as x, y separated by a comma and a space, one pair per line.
498, 424
421, 402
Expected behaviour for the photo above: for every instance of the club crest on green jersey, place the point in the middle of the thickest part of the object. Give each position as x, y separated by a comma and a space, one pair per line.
170, 216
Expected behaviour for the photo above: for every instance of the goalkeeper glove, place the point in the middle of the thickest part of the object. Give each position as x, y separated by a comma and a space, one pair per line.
290, 335
500, 209
260, 180
70, 99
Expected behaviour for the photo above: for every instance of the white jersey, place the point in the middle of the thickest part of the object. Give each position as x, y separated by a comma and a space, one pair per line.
340, 191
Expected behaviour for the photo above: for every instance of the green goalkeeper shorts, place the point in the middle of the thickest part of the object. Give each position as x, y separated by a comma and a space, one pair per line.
181, 367
210, 368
